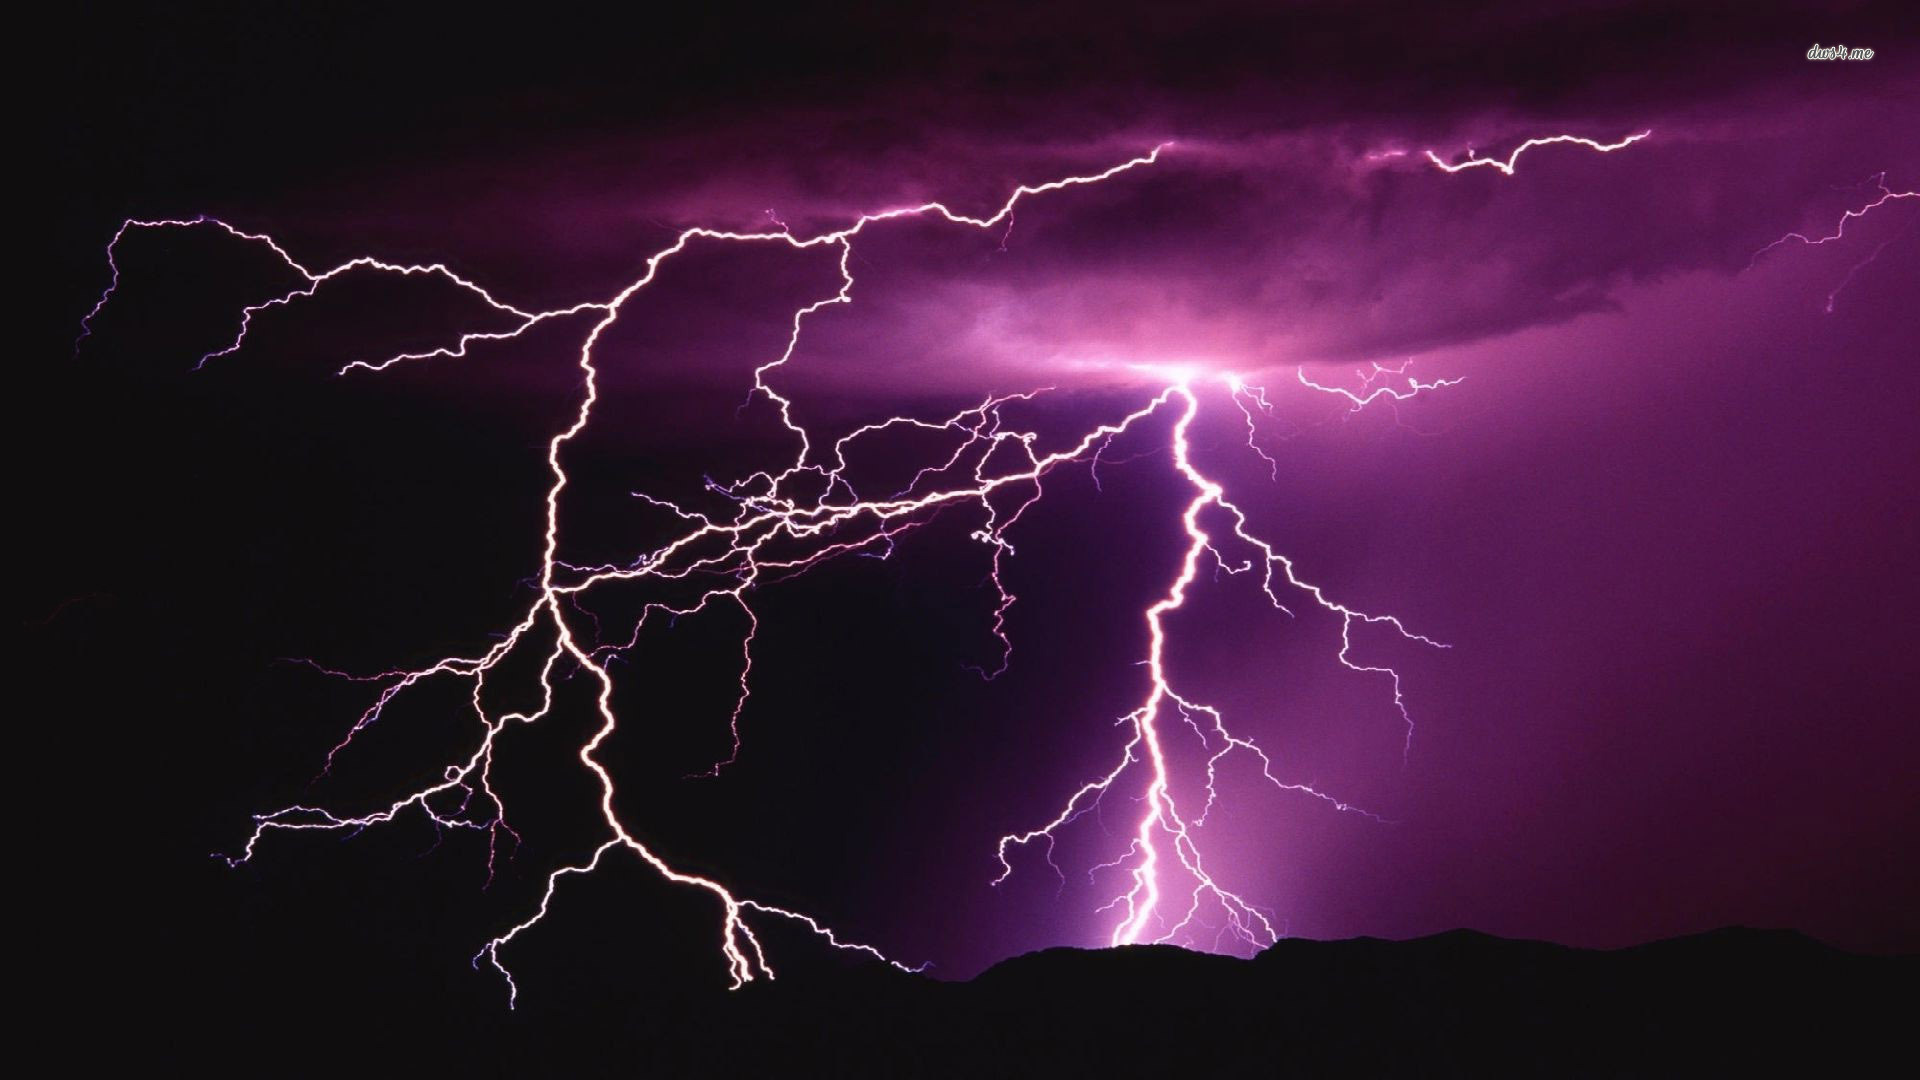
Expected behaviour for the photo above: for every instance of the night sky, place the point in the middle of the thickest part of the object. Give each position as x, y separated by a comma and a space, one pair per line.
1665, 520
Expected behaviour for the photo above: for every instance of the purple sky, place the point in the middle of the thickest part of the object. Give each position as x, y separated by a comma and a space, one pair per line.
1665, 520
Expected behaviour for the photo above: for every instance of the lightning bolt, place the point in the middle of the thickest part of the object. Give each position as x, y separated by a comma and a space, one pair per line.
1887, 195
777, 531
1165, 838
1475, 161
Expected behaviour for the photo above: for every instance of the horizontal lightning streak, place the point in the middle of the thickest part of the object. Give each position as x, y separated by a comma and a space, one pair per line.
1474, 161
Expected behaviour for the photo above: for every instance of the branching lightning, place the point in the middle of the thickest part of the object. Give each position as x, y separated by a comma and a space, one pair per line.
1887, 195
785, 522
1163, 824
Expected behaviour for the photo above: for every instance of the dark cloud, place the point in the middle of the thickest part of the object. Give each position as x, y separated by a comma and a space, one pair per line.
1294, 220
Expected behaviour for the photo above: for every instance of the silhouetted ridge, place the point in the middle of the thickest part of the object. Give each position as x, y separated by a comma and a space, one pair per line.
1729, 1002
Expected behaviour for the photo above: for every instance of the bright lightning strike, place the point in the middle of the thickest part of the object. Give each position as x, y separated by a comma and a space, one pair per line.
1164, 848
1474, 161
788, 521
1369, 393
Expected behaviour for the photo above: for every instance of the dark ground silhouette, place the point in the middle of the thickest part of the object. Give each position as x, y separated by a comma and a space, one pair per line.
1729, 1002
